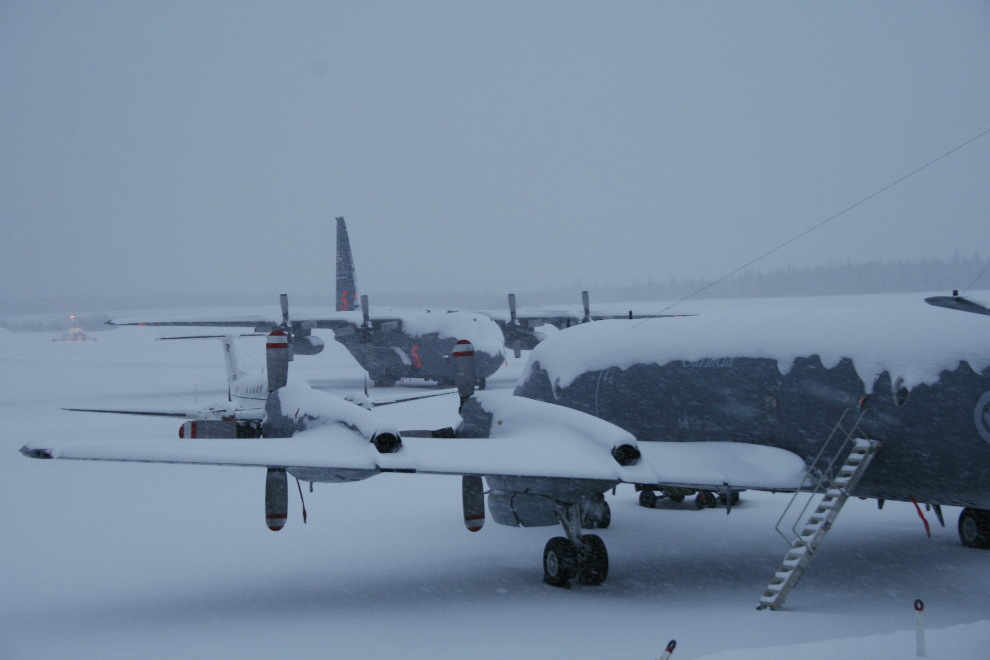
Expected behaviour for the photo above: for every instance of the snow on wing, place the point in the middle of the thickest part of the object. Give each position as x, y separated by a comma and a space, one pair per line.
564, 453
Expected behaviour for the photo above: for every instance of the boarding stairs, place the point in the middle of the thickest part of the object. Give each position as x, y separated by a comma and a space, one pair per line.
831, 478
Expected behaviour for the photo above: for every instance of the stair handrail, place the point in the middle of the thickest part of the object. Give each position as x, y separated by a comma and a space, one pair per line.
824, 474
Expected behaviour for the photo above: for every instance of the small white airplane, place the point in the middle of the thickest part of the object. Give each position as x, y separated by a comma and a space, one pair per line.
245, 405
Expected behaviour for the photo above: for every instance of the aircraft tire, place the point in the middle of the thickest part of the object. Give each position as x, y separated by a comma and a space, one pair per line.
647, 498
974, 528
594, 567
481, 383
600, 518
559, 561
733, 497
705, 500
606, 518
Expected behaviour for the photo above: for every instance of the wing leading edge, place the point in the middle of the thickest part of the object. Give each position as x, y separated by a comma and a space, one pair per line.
566, 455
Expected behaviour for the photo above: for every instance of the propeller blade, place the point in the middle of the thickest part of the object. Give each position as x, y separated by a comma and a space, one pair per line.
364, 311
512, 308
278, 356
587, 307
516, 349
276, 499
473, 496
283, 300
466, 376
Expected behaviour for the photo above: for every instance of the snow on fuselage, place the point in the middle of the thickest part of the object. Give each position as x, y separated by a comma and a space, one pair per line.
782, 374
420, 345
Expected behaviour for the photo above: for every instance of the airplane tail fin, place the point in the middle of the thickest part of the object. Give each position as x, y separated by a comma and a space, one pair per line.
234, 371
346, 285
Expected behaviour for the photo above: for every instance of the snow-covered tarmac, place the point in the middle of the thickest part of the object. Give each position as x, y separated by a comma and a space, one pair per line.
104, 560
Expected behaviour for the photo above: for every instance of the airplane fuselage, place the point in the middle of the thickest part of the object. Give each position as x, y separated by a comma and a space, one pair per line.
927, 400
389, 351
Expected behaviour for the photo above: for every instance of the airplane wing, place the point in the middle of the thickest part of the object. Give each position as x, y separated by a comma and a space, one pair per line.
185, 414
328, 320
189, 413
565, 454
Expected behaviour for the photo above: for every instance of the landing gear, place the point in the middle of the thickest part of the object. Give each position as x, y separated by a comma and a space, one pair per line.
597, 514
705, 500
576, 558
974, 528
649, 497
384, 383
594, 561
732, 499
559, 562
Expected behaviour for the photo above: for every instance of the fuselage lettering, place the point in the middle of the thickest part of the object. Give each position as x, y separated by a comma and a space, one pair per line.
720, 363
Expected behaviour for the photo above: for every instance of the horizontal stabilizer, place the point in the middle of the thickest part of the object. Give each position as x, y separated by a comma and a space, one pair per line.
958, 303
249, 334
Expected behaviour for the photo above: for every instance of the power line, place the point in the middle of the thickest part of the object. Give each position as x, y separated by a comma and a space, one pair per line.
824, 222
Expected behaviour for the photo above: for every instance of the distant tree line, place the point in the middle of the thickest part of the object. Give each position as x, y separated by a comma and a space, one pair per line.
52, 314
833, 279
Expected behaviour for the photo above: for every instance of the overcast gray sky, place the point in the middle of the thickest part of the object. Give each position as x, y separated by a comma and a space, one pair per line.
207, 146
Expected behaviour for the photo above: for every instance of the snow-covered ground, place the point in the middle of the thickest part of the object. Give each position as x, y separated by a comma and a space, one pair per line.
104, 560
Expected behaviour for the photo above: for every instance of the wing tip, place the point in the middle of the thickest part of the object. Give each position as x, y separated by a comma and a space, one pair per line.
31, 452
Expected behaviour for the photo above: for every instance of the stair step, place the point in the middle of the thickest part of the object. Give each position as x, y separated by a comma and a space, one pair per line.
834, 492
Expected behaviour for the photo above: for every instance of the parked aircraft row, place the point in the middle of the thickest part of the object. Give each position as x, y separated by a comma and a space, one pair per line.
391, 346
717, 403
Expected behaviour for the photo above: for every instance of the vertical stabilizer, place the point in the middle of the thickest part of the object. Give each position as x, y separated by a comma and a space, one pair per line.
234, 371
346, 285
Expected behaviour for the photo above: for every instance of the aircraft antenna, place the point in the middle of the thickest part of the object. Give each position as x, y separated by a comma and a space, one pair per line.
821, 224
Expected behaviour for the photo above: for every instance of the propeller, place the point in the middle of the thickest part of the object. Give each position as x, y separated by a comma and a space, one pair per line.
276, 499
587, 307
300, 339
277, 355
364, 312
466, 376
514, 330
473, 497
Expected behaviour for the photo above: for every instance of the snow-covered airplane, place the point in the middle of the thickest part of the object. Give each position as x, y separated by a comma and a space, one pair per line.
389, 346
540, 459
718, 403
246, 396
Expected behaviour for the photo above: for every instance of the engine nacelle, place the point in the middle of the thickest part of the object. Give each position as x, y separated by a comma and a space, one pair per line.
308, 345
208, 429
229, 429
521, 510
